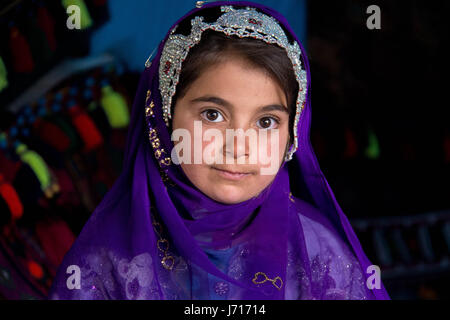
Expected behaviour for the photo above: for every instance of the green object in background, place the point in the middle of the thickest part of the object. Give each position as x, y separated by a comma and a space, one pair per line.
115, 108
85, 17
36, 163
373, 149
3, 75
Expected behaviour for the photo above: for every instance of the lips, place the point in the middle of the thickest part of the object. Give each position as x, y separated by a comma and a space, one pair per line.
231, 175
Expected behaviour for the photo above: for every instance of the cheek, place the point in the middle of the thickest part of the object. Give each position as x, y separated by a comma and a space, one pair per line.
193, 172
275, 146
181, 121
202, 149
262, 181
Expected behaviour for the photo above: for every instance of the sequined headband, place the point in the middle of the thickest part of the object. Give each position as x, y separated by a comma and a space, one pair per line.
244, 23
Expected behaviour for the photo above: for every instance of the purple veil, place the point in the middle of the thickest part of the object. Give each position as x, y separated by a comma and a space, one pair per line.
156, 236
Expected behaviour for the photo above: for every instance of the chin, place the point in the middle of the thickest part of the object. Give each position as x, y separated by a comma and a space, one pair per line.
229, 195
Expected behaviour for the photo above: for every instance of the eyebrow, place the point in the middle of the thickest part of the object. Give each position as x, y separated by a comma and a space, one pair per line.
227, 104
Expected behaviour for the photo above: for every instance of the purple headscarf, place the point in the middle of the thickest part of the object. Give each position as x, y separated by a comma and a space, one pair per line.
156, 236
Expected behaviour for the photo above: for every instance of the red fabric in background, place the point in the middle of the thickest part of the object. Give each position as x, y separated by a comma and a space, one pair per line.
52, 134
46, 23
55, 238
86, 128
20, 52
8, 168
68, 194
8, 193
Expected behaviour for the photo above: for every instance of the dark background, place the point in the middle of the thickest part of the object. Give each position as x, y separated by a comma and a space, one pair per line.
380, 127
381, 132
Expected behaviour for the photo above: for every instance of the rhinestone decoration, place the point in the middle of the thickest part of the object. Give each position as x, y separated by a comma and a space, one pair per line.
164, 159
244, 23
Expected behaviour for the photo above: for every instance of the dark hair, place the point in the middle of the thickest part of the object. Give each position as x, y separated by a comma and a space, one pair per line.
215, 47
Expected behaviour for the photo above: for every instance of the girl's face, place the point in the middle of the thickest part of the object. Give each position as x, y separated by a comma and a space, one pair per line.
233, 95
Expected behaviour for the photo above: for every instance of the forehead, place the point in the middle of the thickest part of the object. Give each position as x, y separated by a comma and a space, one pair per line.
237, 81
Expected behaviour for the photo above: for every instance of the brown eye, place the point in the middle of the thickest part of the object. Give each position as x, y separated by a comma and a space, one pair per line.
267, 123
212, 115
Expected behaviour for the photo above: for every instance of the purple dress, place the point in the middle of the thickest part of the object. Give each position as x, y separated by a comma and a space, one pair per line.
156, 236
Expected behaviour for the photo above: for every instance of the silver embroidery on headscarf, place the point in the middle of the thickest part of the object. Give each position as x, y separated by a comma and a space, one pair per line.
244, 23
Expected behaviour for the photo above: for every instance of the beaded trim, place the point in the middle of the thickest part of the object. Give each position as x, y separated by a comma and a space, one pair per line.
159, 152
237, 22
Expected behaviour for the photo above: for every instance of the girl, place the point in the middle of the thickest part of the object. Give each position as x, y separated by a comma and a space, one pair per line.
195, 215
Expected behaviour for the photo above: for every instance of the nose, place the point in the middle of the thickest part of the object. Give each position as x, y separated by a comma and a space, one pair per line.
236, 144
